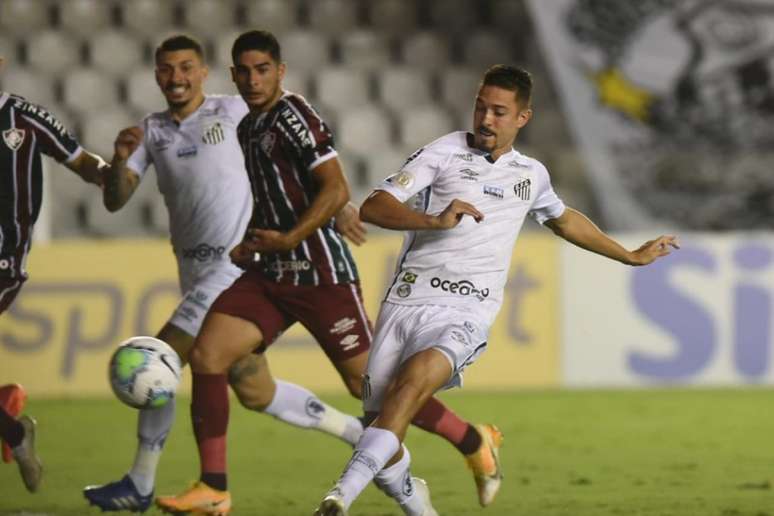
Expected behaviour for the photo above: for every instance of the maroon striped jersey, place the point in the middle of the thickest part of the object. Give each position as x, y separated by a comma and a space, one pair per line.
27, 131
282, 147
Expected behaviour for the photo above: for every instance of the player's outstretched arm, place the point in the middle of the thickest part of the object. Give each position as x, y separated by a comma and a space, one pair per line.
90, 167
577, 229
384, 210
120, 182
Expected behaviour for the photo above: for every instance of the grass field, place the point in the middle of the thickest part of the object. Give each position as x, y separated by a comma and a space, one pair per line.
585, 453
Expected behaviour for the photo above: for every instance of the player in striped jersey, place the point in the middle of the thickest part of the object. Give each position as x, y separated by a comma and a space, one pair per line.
305, 272
201, 174
29, 130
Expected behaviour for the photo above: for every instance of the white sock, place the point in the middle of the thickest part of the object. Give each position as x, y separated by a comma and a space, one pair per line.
153, 427
397, 483
295, 405
372, 452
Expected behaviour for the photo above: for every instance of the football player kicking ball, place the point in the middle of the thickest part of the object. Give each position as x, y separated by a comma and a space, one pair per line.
305, 274
449, 283
201, 173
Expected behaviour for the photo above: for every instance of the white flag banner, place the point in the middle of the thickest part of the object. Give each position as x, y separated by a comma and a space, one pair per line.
672, 105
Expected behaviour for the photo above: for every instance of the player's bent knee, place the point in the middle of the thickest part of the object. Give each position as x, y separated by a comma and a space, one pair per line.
204, 360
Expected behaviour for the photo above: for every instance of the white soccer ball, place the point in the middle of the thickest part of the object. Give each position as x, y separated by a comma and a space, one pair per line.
144, 372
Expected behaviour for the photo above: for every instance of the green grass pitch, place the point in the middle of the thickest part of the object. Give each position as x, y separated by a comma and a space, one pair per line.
567, 453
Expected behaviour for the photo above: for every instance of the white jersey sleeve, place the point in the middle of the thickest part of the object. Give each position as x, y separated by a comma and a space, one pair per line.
417, 173
140, 159
547, 205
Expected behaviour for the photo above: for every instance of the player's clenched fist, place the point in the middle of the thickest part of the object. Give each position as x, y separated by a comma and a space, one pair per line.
127, 142
452, 215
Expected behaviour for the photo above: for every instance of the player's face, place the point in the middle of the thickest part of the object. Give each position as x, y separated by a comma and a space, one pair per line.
258, 77
497, 118
180, 74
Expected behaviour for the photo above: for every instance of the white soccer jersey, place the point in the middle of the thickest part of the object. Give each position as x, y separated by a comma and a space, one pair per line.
201, 173
467, 265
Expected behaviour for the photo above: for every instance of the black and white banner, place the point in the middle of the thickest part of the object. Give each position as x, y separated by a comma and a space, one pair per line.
672, 105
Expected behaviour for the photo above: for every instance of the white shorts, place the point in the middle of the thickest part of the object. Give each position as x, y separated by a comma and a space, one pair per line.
200, 293
404, 330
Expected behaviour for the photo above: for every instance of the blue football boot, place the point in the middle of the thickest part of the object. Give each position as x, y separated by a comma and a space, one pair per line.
118, 496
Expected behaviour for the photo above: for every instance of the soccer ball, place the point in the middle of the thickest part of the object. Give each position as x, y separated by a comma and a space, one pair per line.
144, 372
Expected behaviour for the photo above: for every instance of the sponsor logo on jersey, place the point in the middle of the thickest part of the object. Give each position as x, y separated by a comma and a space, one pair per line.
349, 342
13, 138
465, 157
403, 290
409, 277
43, 115
214, 135
267, 142
204, 252
522, 188
468, 174
516, 164
494, 191
187, 152
297, 126
460, 288
290, 265
402, 179
469, 326
343, 325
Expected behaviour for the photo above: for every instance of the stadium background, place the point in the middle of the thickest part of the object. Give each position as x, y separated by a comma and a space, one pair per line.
391, 75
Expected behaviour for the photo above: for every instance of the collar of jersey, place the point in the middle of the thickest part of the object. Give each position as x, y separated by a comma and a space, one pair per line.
192, 116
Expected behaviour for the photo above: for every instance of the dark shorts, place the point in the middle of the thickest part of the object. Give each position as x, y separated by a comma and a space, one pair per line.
333, 314
9, 287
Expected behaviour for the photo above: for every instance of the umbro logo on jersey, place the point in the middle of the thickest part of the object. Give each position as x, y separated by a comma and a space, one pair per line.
14, 138
522, 189
214, 135
469, 174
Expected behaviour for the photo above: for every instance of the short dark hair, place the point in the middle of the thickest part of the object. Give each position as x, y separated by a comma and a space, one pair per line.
510, 78
261, 40
179, 42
